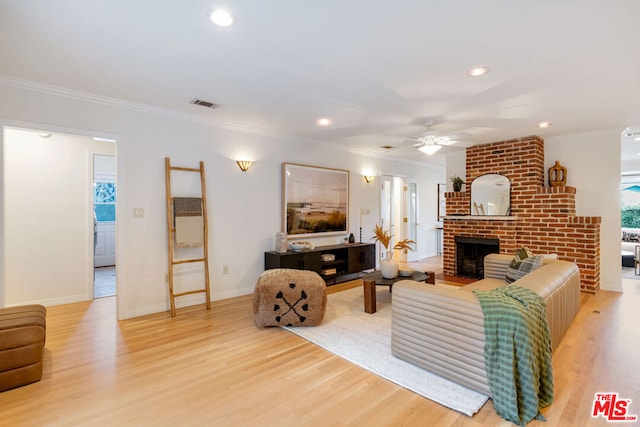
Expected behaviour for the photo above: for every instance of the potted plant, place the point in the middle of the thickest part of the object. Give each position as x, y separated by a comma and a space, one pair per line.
457, 183
389, 266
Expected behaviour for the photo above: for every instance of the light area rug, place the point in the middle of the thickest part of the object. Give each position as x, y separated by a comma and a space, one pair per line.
365, 339
630, 273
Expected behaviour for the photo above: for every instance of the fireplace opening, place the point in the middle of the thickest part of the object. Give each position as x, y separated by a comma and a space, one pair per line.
470, 253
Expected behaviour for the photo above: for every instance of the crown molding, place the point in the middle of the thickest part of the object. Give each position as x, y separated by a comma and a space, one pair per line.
610, 132
78, 95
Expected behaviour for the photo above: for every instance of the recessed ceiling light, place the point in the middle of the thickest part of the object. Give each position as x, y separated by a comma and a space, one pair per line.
478, 71
222, 18
544, 124
324, 121
44, 134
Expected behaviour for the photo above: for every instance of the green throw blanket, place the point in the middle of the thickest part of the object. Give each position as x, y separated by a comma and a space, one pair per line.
517, 352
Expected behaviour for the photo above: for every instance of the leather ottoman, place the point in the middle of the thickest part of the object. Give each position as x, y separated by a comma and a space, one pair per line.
22, 337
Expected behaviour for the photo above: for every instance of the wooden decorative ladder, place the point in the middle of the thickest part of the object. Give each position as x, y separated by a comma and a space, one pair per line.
171, 236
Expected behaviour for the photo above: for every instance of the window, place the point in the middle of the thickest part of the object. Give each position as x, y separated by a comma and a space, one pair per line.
630, 201
104, 200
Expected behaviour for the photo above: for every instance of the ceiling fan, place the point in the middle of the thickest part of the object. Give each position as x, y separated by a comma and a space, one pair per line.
431, 142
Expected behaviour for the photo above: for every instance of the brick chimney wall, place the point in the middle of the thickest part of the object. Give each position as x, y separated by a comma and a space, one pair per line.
542, 218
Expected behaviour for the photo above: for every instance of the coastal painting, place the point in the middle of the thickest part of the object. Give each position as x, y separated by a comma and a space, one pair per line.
315, 200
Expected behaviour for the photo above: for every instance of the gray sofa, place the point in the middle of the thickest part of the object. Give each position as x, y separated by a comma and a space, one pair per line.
441, 329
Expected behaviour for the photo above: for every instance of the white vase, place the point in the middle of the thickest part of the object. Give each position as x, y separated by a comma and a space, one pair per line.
389, 268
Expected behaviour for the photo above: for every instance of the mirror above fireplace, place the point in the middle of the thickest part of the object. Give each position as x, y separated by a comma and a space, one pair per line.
491, 195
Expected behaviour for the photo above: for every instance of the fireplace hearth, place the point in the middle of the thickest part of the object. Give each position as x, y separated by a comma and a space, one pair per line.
470, 253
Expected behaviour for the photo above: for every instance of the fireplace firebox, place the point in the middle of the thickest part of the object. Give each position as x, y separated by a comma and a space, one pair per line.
470, 253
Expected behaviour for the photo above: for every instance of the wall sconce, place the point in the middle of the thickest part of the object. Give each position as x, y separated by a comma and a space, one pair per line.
369, 178
244, 164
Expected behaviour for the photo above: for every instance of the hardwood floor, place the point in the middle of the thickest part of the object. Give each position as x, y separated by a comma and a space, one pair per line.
217, 368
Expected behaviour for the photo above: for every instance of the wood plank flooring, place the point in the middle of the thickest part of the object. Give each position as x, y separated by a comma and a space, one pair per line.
217, 368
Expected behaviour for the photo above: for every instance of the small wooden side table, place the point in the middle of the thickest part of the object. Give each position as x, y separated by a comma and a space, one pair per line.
371, 280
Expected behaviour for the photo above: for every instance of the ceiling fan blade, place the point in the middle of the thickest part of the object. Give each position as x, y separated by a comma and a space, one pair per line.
447, 142
416, 142
459, 136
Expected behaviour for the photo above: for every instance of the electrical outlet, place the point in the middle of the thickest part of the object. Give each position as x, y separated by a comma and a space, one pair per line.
365, 211
138, 212
166, 278
225, 269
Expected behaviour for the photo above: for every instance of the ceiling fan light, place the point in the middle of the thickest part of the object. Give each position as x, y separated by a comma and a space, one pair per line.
430, 149
428, 139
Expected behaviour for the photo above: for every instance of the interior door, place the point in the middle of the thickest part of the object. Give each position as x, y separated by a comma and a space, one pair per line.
411, 213
396, 210
105, 247
387, 209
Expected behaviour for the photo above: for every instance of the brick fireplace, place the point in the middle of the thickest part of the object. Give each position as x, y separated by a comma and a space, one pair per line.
542, 218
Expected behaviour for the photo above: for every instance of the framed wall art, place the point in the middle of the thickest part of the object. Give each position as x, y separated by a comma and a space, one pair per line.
315, 200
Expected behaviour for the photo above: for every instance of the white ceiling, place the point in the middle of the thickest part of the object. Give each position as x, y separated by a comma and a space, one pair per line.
378, 69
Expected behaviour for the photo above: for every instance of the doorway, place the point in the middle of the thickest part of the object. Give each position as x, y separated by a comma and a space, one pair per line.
399, 213
48, 215
630, 201
104, 236
411, 203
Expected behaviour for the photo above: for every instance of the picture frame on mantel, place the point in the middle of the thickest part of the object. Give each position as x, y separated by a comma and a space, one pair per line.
442, 201
315, 200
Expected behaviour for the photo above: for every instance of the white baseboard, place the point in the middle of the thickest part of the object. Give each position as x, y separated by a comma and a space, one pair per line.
186, 301
55, 301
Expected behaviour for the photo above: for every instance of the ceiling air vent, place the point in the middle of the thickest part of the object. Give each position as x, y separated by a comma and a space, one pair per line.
202, 103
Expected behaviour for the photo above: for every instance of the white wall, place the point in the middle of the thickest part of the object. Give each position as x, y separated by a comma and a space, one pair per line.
593, 167
244, 207
456, 165
47, 209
